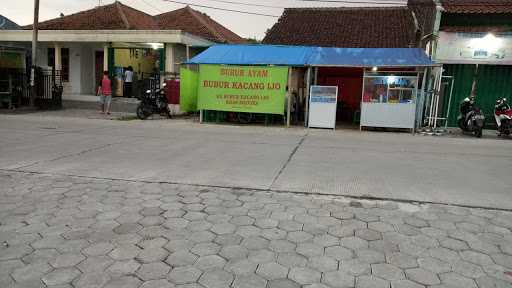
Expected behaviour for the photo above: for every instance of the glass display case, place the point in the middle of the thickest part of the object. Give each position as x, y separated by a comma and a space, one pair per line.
389, 100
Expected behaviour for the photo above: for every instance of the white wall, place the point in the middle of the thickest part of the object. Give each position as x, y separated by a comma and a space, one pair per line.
87, 70
75, 66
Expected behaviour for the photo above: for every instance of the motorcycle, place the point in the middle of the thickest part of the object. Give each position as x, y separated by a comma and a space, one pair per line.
503, 116
471, 118
153, 102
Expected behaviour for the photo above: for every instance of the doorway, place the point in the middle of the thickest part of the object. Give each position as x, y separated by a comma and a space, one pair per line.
98, 67
350, 85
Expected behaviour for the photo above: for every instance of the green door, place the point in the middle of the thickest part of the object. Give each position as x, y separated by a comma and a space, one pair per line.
463, 79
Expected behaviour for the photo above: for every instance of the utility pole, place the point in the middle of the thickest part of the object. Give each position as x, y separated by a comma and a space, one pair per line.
34, 53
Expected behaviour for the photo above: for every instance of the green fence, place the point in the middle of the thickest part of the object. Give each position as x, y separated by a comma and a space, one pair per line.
493, 82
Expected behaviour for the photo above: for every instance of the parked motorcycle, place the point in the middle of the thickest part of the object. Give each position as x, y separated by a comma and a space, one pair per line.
471, 118
153, 102
503, 116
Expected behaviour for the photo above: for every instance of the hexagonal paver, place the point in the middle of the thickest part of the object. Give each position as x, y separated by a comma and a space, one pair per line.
387, 271
127, 228
371, 282
123, 282
323, 263
353, 243
206, 248
216, 279
310, 249
283, 283
455, 280
223, 228
60, 276
98, 249
95, 264
273, 233
368, 234
304, 275
266, 223
422, 276
405, 284
126, 267
210, 262
291, 260
370, 256
124, 252
184, 274
290, 225
476, 257
255, 243
154, 270
181, 258
175, 223
160, 283
401, 260
233, 252
31, 272
281, 246
354, 267
153, 243
90, 280
339, 252
152, 255
249, 281
67, 260
241, 267
262, 256
338, 279
272, 270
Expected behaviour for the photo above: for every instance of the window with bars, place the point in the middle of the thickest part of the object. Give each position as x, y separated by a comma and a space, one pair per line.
64, 60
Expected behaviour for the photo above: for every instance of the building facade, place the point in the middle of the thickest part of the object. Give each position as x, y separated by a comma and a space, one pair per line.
112, 37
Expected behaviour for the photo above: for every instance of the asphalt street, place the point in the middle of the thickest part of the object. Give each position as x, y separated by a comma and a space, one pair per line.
399, 166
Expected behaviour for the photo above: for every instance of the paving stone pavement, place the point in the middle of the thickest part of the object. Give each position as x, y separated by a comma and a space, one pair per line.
59, 231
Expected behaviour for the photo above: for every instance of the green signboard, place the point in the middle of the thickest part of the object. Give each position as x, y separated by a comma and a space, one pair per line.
242, 88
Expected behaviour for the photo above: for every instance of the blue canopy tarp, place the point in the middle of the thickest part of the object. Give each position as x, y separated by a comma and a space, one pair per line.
368, 57
312, 56
253, 55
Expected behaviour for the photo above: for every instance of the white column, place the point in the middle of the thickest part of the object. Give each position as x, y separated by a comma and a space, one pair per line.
188, 52
58, 57
105, 57
169, 58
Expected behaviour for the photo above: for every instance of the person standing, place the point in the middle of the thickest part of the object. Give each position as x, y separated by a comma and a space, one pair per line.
128, 80
105, 93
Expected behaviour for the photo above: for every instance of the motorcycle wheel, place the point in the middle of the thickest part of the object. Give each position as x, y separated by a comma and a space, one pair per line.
141, 113
244, 118
460, 122
478, 133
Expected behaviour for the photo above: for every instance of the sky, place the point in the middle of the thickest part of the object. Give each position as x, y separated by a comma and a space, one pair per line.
253, 26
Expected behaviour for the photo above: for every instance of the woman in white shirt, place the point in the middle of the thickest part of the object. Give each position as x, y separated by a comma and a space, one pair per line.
128, 79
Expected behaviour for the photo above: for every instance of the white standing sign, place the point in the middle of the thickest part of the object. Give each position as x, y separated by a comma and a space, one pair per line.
322, 106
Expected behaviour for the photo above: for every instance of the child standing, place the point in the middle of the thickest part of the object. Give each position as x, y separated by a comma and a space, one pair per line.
105, 93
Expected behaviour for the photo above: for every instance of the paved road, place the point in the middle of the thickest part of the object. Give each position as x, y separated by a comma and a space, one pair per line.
65, 232
460, 170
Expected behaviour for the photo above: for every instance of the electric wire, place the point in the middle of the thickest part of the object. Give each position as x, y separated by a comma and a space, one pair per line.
224, 9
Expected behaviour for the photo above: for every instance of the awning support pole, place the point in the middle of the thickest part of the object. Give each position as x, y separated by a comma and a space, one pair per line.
449, 104
288, 92
308, 84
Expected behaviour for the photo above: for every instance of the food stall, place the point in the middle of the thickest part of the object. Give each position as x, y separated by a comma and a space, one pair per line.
389, 100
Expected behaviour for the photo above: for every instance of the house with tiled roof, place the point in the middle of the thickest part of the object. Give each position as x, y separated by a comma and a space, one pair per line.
112, 37
355, 27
